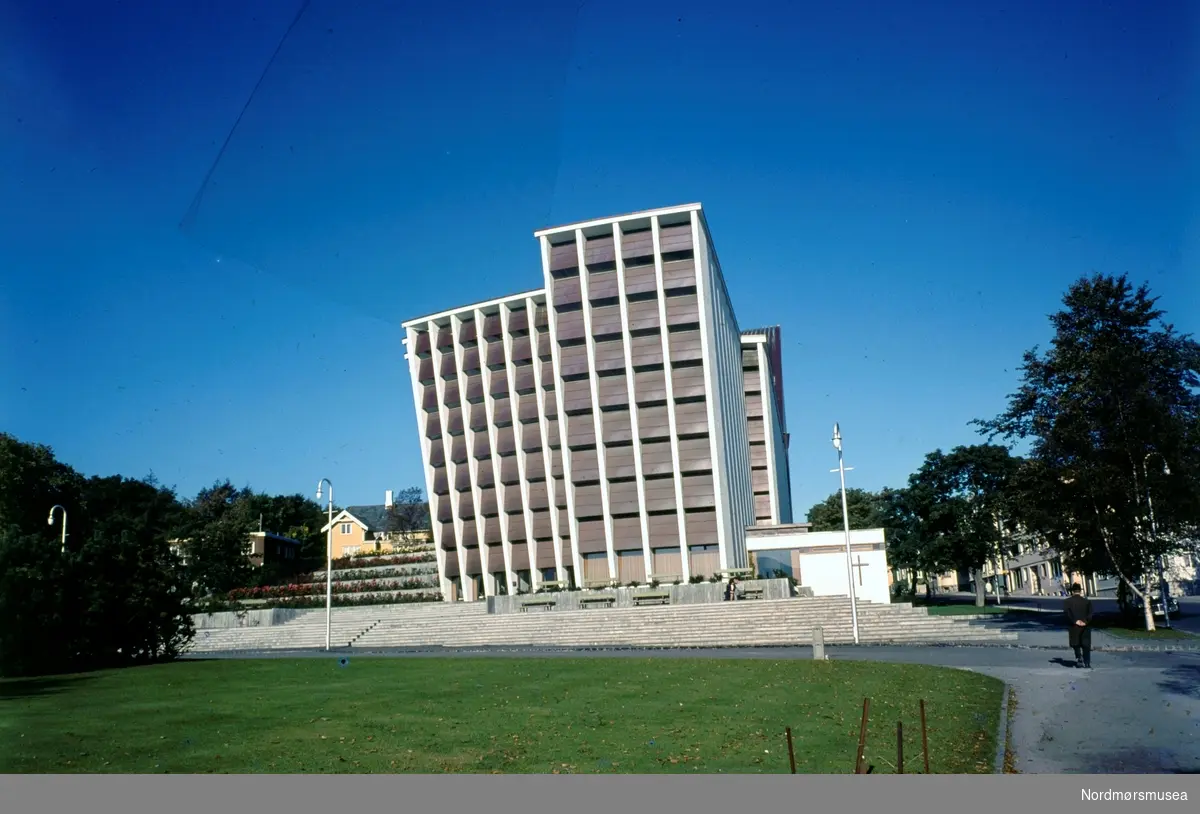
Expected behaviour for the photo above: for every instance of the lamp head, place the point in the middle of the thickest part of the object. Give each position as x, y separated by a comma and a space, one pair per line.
837, 438
1166, 468
50, 519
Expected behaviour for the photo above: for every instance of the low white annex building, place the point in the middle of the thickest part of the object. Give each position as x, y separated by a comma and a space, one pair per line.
817, 559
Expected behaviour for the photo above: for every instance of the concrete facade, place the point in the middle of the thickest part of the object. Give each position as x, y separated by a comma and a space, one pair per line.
614, 425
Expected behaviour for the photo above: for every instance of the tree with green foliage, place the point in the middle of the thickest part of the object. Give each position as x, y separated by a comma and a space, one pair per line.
33, 480
130, 602
965, 506
296, 516
911, 544
215, 533
409, 514
866, 511
1116, 394
33, 605
115, 596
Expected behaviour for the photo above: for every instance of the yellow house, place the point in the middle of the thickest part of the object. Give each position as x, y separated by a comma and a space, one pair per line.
376, 529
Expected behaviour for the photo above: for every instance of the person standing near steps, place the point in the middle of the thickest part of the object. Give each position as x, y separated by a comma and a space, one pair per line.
1079, 618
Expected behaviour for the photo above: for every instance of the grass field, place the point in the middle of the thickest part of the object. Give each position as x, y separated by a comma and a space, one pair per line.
963, 610
1115, 626
600, 715
1136, 629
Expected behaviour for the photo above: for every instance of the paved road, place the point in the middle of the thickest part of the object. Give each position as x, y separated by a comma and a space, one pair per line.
1133, 713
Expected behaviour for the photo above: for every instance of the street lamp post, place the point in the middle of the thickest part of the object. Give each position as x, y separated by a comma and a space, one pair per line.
50, 522
1163, 590
328, 561
841, 470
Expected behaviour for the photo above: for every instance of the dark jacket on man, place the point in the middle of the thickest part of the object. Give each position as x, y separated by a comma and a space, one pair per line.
1079, 609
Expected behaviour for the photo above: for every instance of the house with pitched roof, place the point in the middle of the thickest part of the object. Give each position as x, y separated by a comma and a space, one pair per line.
379, 528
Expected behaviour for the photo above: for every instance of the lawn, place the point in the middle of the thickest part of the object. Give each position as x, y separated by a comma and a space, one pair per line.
1136, 629
963, 610
598, 715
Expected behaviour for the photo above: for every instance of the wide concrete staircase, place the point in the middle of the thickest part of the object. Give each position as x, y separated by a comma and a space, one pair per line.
349, 625
728, 624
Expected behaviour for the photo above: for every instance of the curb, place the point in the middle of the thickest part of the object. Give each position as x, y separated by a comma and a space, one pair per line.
1002, 732
1110, 648
1147, 648
1134, 648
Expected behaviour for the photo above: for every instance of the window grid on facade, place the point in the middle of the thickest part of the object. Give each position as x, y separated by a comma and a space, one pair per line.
613, 426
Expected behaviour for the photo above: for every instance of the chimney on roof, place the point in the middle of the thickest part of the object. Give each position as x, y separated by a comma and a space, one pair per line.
387, 499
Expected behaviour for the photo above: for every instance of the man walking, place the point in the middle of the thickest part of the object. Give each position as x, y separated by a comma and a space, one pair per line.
1079, 617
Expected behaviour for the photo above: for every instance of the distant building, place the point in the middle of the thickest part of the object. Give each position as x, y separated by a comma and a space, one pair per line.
613, 425
381, 528
265, 547
1183, 572
1038, 570
262, 547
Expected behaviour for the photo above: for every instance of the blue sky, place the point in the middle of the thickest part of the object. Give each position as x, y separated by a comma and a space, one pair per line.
907, 189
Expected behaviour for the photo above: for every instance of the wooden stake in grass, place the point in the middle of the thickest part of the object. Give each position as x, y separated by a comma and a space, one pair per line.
924, 737
899, 747
862, 737
791, 750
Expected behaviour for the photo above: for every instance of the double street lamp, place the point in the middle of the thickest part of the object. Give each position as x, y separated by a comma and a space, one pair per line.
328, 560
50, 522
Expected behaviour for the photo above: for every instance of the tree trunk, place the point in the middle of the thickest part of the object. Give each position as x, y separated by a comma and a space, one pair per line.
980, 589
1144, 597
1147, 605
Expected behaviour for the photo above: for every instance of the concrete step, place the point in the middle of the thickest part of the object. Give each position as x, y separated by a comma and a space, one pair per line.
759, 640
385, 626
699, 640
743, 623
755, 610
370, 634
588, 619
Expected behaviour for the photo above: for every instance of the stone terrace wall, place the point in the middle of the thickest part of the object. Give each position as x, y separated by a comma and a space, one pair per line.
702, 593
248, 618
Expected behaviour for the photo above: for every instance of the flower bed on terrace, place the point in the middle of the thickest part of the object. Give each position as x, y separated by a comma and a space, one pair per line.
360, 561
347, 576
318, 588
353, 600
393, 549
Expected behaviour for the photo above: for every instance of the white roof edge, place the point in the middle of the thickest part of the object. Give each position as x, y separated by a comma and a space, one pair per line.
754, 339
485, 304
648, 213
340, 517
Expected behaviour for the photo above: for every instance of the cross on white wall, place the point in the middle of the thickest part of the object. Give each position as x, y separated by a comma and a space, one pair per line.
860, 565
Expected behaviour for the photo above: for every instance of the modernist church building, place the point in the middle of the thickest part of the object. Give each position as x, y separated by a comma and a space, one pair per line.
614, 425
